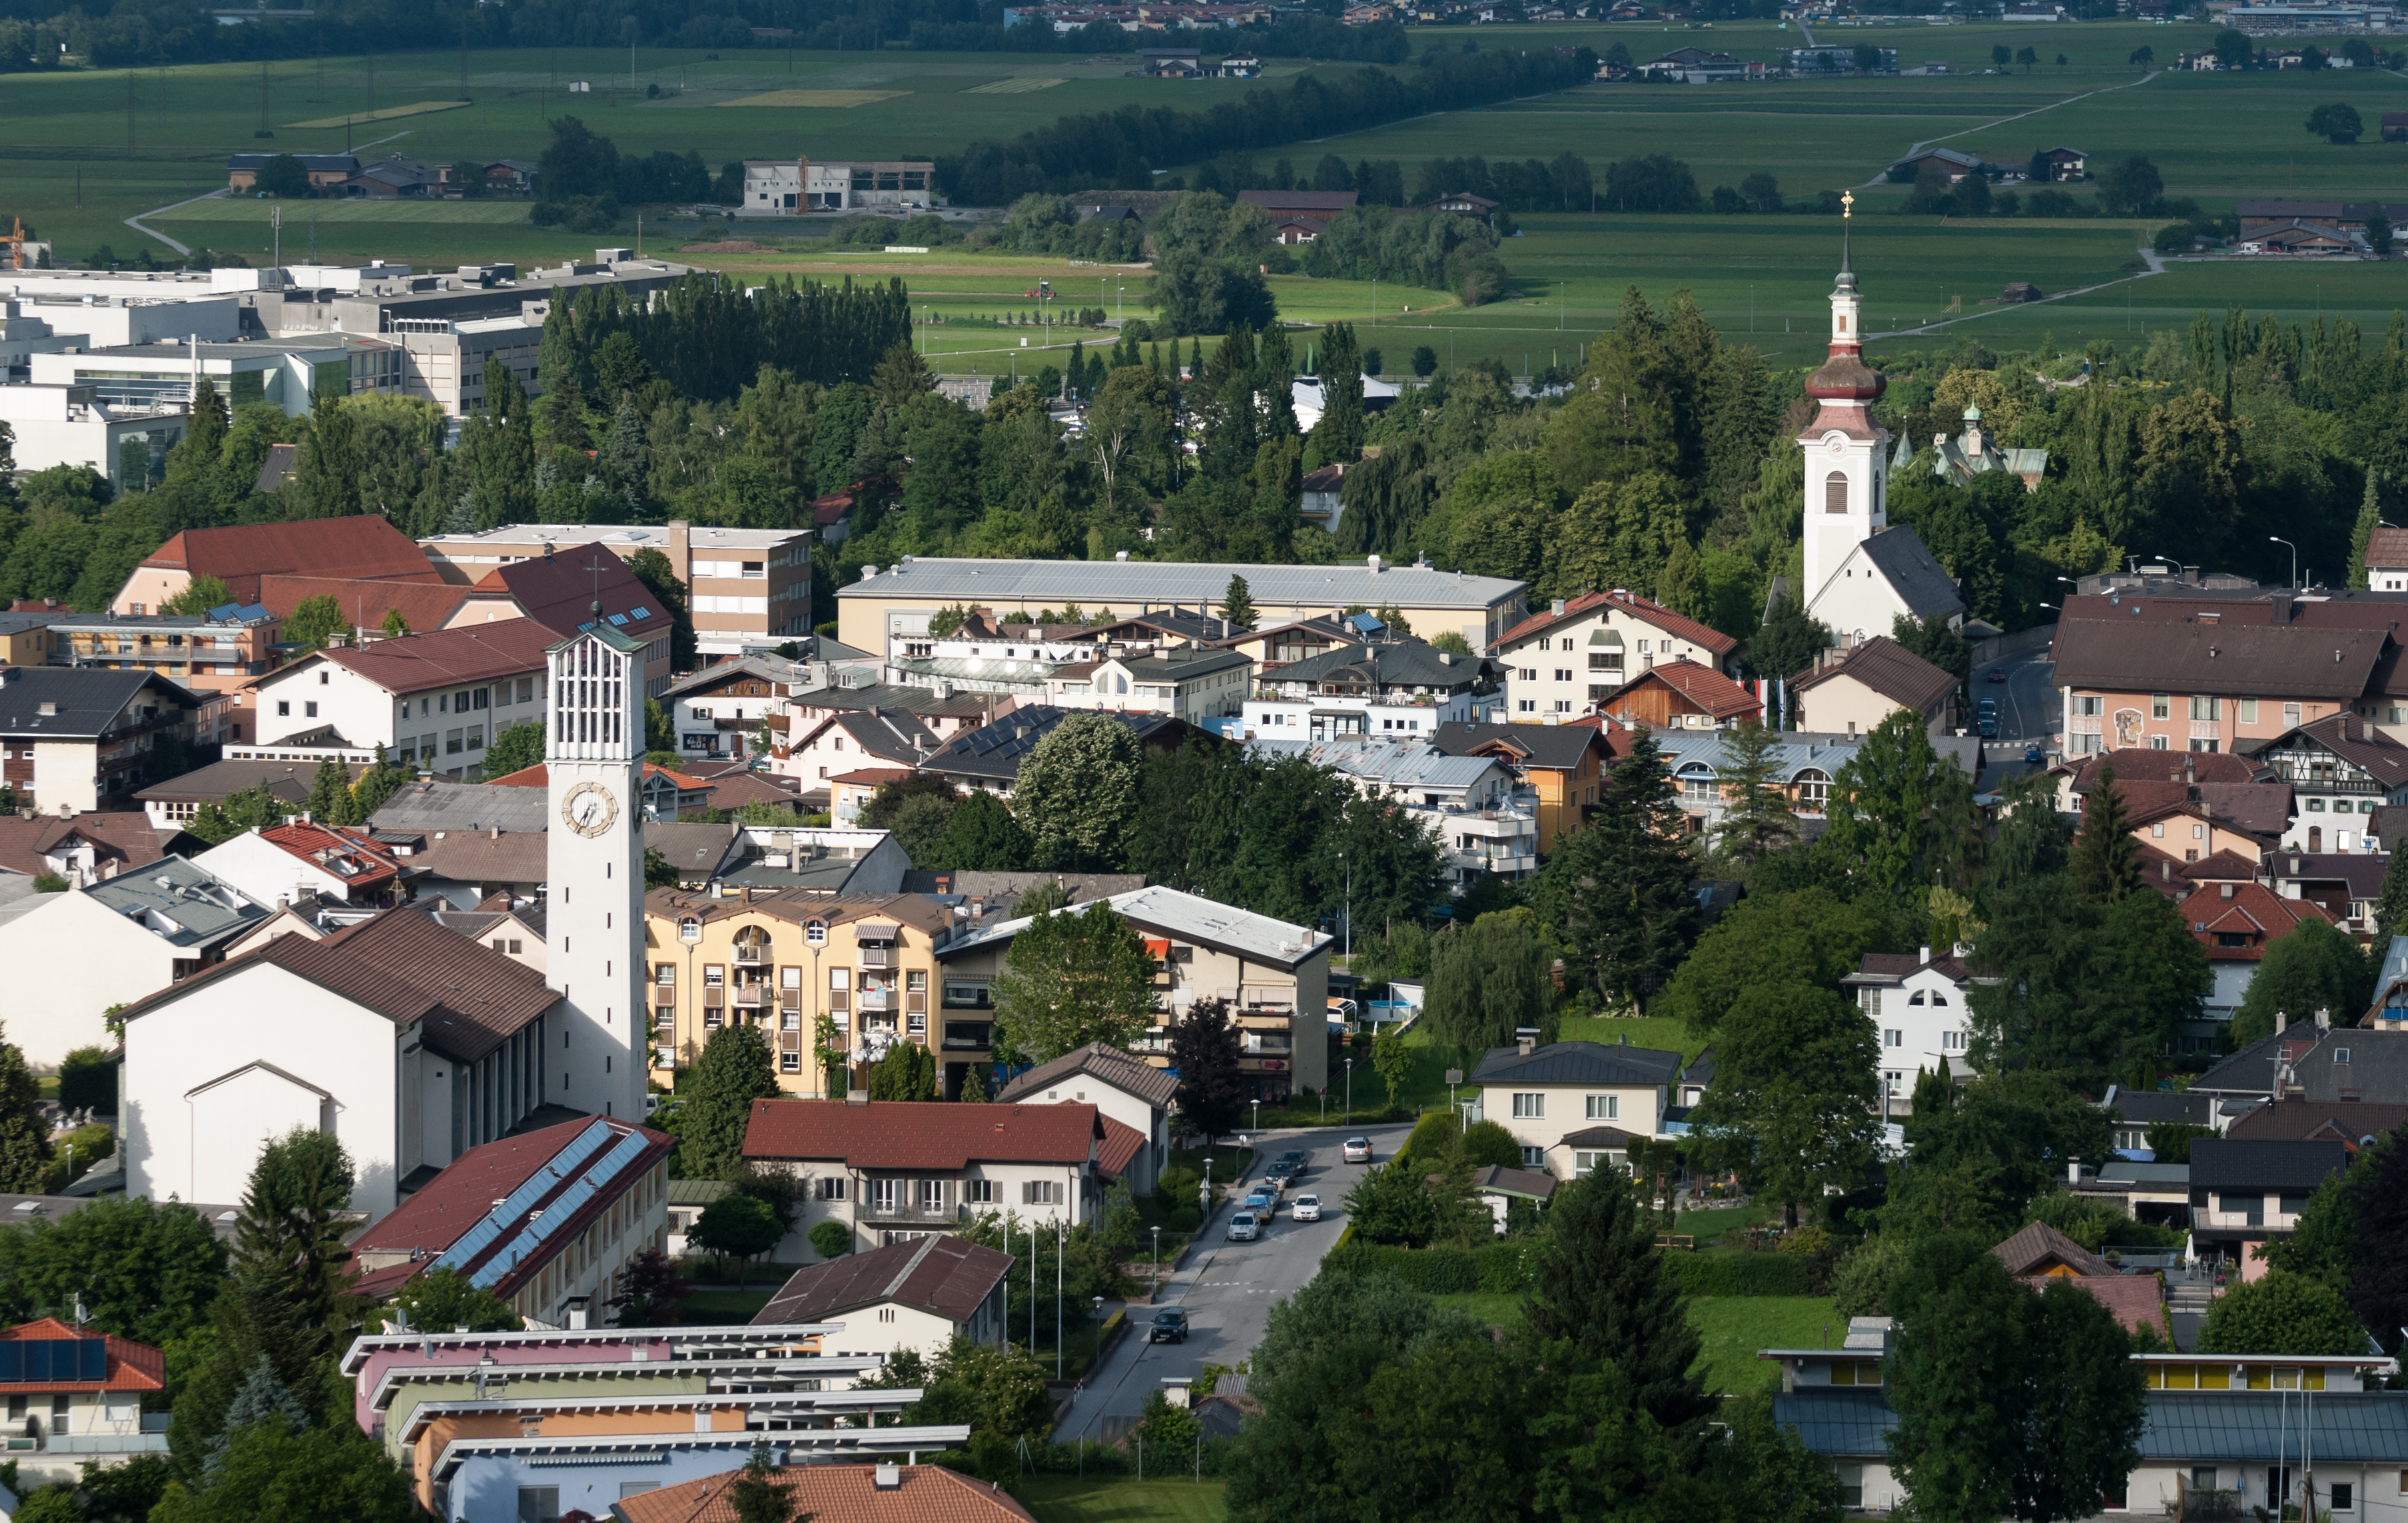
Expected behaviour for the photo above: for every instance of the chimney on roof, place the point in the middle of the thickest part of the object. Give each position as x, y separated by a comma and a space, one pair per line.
888, 1477
1525, 1046
1923, 952
856, 1097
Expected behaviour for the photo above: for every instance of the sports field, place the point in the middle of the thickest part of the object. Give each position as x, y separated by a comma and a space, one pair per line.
86, 150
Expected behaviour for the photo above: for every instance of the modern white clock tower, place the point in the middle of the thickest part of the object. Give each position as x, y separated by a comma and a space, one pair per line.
593, 740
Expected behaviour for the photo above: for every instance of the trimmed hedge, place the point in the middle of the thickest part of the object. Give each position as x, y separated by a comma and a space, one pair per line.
1741, 1274
1505, 1268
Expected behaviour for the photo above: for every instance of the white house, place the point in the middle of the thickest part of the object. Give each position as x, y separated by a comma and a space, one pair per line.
1916, 1002
917, 1294
1392, 689
284, 863
1569, 657
434, 699
1186, 683
78, 953
409, 1043
896, 1170
1123, 1085
1574, 1106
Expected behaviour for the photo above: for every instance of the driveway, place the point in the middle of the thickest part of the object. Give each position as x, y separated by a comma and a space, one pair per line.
2029, 704
1227, 1288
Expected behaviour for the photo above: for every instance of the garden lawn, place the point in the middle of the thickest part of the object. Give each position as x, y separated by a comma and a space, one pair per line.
1705, 1226
1064, 1499
1665, 1033
1735, 1326
727, 1305
1496, 1310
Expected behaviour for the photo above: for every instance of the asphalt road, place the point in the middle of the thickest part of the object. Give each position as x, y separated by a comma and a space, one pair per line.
2030, 706
1228, 1288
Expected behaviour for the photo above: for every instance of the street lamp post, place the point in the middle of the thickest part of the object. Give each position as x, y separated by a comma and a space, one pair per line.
2295, 559
1157, 1266
1350, 1091
1257, 1103
1099, 1319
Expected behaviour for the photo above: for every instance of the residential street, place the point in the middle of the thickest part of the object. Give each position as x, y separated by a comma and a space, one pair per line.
2029, 703
1227, 1288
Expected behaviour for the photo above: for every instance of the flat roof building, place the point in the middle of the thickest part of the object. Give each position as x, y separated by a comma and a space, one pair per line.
892, 602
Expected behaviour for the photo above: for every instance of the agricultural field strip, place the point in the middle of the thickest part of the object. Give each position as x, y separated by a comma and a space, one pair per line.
2036, 111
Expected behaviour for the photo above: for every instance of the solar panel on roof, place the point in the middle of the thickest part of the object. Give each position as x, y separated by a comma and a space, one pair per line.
23, 1360
522, 1199
561, 1210
618, 618
639, 611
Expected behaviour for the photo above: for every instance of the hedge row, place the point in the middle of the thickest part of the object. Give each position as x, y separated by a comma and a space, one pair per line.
1509, 1268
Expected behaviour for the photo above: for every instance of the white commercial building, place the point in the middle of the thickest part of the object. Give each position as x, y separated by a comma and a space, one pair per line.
747, 589
69, 425
796, 186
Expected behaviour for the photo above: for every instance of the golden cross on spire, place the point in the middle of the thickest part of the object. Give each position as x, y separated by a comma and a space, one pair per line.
1847, 203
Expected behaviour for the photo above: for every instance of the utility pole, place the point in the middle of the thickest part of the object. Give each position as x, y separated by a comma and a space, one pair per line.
129, 111
263, 95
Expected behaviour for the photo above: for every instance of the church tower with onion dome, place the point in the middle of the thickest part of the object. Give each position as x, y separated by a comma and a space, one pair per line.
1847, 479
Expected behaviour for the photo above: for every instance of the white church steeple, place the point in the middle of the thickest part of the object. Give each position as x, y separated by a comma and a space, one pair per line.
594, 850
1847, 486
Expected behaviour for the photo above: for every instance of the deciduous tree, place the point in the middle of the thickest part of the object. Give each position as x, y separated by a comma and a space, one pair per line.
1487, 980
715, 1102
1076, 792
2281, 1312
2313, 966
1793, 1091
1072, 979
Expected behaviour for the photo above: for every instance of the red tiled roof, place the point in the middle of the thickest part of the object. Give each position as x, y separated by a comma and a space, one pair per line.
939, 1273
837, 1494
2387, 547
240, 554
457, 1199
2139, 764
1632, 604
1708, 689
1120, 1148
425, 606
478, 653
132, 1366
2133, 1298
328, 847
922, 1134
2251, 910
407, 968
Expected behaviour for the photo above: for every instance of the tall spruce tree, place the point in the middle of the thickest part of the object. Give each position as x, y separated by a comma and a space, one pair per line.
1620, 890
1601, 1284
735, 1071
2369, 517
2391, 906
1757, 818
2377, 1196
2106, 858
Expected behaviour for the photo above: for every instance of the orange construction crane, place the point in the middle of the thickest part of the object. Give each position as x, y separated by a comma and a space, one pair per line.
15, 239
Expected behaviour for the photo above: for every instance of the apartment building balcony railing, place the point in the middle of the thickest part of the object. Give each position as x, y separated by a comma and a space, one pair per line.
751, 996
750, 956
912, 1215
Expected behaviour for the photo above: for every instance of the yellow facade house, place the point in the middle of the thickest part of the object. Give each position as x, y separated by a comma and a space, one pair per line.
788, 960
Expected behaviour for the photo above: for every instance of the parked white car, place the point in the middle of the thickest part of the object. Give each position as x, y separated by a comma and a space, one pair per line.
1307, 1208
1244, 1228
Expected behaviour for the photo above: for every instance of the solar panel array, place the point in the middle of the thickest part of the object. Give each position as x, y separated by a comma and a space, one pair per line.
522, 1199
570, 1202
25, 1359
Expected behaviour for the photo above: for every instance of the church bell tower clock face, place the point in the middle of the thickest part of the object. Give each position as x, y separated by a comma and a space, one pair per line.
589, 809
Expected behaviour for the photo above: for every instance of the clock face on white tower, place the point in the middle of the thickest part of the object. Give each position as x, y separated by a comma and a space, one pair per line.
589, 809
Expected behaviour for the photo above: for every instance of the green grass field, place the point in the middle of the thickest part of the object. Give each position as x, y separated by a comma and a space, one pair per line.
1735, 1326
87, 149
1062, 1499
1665, 1033
1705, 1226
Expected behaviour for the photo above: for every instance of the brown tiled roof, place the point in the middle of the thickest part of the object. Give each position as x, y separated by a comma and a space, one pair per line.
2133, 1298
920, 1134
2361, 744
939, 1273
2222, 866
1106, 1062
1708, 689
2289, 661
2039, 1244
2140, 764
132, 1366
239, 555
1632, 604
798, 905
120, 839
2261, 810
1891, 670
559, 591
452, 1202
1900, 965
2387, 547
735, 790
426, 605
478, 653
407, 968
837, 1494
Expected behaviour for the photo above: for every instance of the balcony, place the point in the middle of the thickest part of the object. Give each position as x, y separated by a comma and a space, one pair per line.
903, 1214
877, 999
751, 996
751, 956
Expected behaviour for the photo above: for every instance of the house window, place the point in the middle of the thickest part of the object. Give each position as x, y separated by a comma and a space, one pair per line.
1835, 493
1604, 1107
2157, 706
1893, 1037
828, 1187
2250, 711
932, 1196
1952, 1041
2203, 705
882, 1195
1852, 1485
1530, 1107
1588, 1163
1041, 1192
2290, 716
539, 1503
1869, 1000
2343, 1497
1534, 1158
981, 1192
815, 933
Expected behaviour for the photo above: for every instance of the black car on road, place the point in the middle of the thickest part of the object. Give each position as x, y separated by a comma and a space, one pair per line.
1169, 1326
